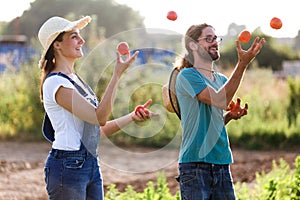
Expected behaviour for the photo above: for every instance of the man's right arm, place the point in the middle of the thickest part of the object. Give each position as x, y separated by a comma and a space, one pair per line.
224, 95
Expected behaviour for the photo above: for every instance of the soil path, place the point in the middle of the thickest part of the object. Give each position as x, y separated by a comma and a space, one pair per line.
21, 167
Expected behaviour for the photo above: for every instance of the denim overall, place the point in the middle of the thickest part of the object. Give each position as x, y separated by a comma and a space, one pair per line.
76, 175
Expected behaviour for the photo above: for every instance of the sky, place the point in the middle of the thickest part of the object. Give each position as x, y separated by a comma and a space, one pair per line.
219, 13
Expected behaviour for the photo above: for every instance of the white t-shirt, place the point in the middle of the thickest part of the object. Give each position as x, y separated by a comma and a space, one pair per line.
68, 128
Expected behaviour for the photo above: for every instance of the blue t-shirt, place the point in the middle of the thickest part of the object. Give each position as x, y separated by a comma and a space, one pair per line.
204, 136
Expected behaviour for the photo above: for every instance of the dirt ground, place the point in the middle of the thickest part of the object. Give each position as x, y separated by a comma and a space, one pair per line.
21, 167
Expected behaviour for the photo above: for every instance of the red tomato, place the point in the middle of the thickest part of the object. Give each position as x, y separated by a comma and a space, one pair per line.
276, 23
123, 48
138, 108
231, 106
244, 36
172, 15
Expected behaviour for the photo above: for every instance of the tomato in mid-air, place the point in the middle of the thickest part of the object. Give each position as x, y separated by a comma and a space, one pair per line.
244, 36
172, 15
276, 23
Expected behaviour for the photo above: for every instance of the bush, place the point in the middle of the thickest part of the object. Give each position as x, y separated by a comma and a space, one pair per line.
266, 124
294, 103
279, 184
158, 191
21, 109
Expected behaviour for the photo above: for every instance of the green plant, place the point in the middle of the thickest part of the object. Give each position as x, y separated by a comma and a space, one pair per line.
21, 109
158, 191
294, 104
281, 183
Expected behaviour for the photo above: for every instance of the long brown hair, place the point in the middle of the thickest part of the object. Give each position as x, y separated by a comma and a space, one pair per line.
191, 35
50, 63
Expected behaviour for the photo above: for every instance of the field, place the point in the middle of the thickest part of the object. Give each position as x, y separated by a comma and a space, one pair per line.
21, 168
265, 130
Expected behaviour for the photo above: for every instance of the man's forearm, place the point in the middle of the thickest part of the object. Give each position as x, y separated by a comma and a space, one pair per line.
227, 118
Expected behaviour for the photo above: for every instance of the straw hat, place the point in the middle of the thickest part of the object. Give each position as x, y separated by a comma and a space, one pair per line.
166, 98
53, 27
169, 94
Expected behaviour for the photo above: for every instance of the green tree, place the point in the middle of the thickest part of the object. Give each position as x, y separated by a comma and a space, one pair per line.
114, 17
271, 55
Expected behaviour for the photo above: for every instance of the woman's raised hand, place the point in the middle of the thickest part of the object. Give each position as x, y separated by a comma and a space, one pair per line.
121, 65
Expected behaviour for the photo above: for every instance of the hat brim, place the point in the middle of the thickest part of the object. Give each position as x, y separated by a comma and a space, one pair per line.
80, 24
169, 94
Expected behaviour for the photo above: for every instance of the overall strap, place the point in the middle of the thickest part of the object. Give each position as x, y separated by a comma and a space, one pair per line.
47, 128
85, 85
91, 133
79, 89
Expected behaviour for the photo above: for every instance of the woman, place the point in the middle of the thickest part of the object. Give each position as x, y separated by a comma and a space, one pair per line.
72, 170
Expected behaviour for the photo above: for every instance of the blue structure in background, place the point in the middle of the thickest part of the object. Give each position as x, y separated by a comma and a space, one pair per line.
155, 55
14, 51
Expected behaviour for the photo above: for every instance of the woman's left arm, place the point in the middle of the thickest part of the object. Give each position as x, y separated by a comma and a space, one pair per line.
141, 113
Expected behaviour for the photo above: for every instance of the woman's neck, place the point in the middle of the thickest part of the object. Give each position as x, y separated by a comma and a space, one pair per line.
64, 68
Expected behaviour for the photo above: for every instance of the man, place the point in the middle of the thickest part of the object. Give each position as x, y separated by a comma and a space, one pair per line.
203, 96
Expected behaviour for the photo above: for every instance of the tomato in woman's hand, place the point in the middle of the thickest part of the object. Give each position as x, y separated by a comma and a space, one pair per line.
143, 107
123, 48
138, 108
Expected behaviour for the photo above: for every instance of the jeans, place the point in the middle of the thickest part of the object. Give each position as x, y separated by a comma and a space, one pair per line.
73, 175
204, 181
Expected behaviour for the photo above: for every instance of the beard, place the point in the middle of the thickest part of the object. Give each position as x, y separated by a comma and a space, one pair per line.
210, 56
214, 56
